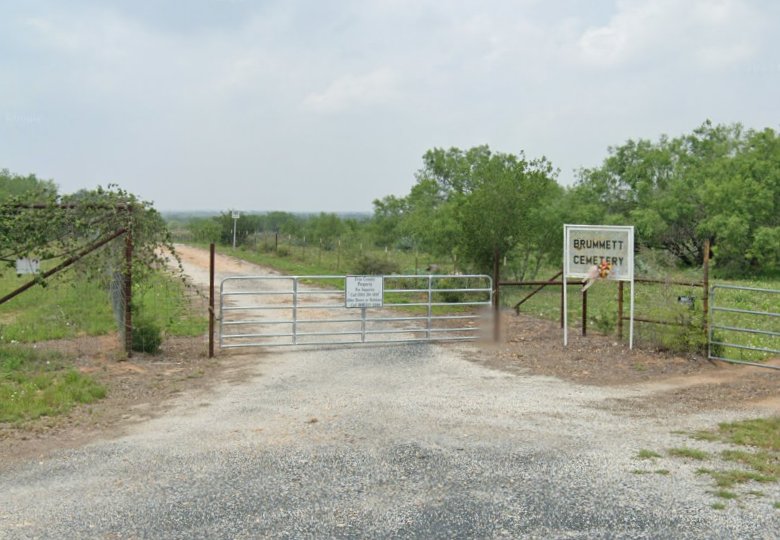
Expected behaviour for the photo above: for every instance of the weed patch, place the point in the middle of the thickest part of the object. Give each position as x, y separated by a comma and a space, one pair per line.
35, 384
647, 454
690, 453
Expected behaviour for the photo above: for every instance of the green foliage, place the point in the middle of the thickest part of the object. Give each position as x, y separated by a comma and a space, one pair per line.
147, 336
719, 182
372, 265
444, 294
725, 494
473, 204
34, 383
647, 454
16, 186
690, 453
759, 432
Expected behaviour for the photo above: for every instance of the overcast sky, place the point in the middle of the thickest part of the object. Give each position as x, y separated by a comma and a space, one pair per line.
306, 105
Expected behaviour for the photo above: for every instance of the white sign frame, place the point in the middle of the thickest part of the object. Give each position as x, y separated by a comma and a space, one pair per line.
619, 246
364, 291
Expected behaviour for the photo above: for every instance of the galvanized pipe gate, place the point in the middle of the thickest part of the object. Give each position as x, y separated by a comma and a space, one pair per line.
277, 311
729, 326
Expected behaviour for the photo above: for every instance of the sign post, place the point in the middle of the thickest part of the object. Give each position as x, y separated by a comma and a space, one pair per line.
236, 215
591, 252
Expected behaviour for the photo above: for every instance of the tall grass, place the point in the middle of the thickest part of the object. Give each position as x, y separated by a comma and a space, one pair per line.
71, 306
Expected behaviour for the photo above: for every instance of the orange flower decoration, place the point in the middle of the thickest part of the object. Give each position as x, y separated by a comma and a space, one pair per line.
604, 269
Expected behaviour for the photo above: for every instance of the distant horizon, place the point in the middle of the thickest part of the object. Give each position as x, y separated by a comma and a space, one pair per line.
253, 212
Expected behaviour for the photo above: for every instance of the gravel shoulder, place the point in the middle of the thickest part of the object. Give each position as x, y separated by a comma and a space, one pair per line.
515, 440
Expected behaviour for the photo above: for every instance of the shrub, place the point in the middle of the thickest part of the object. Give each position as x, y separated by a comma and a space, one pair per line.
147, 336
375, 266
604, 320
451, 297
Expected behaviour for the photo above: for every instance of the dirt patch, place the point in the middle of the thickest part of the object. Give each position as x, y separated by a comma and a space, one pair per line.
666, 381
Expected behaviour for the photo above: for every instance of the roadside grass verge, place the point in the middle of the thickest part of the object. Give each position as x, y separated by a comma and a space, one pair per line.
71, 306
35, 383
754, 457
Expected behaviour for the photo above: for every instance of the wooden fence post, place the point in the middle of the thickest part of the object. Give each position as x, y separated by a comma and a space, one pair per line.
496, 299
706, 284
620, 310
128, 293
584, 313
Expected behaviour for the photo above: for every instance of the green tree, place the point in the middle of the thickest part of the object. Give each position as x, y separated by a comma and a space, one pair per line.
718, 183
474, 204
326, 228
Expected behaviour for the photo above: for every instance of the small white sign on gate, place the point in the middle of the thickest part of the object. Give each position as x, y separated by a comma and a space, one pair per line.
27, 266
364, 291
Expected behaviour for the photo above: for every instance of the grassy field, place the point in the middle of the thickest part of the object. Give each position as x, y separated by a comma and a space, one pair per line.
69, 306
296, 259
34, 383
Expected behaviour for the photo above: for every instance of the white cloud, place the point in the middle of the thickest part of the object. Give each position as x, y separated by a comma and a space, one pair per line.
703, 33
378, 87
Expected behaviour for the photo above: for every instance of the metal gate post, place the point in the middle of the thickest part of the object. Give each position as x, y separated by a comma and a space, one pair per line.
295, 312
430, 301
363, 325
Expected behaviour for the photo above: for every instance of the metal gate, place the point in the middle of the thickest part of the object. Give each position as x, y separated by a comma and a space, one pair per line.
275, 311
751, 334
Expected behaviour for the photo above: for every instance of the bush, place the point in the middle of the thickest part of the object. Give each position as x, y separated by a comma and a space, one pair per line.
604, 320
147, 336
451, 297
374, 266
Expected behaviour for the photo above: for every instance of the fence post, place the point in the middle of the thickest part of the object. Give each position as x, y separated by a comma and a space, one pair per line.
211, 300
584, 313
563, 294
496, 298
128, 290
706, 296
620, 310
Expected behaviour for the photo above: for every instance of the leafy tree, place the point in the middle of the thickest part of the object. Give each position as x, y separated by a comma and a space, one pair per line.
719, 182
326, 228
474, 204
205, 229
14, 185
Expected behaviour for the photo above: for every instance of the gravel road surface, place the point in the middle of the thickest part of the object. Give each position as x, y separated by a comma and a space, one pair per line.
409, 441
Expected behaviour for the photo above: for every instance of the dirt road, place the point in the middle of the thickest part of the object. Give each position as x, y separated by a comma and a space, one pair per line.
417, 441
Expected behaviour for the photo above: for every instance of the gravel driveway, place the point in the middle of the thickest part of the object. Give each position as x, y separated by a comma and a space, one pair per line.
404, 441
